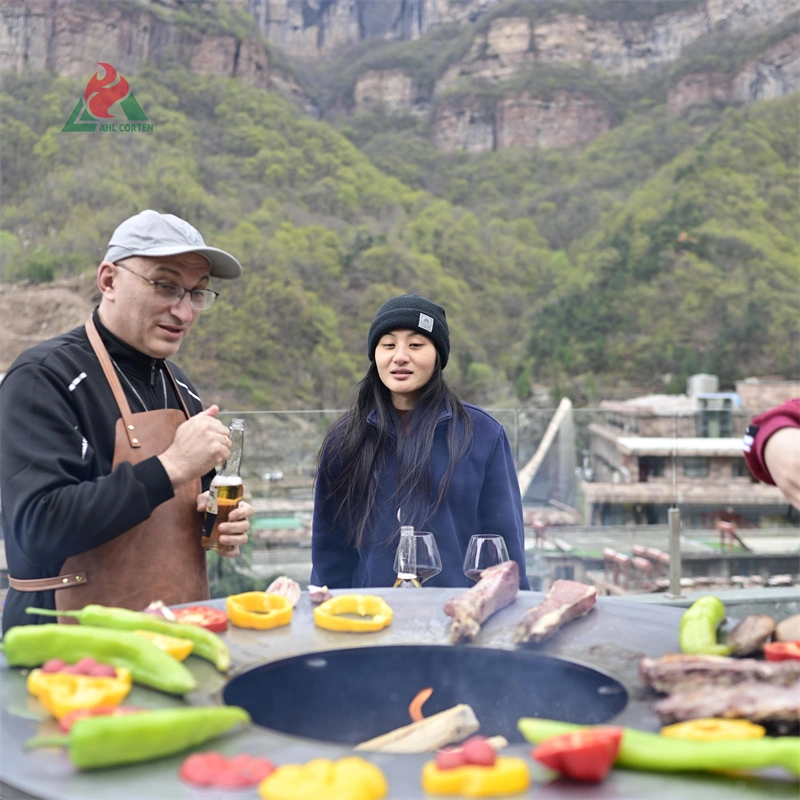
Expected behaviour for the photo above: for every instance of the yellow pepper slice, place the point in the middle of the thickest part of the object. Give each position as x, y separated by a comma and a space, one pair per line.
350, 778
509, 775
172, 645
709, 728
259, 610
60, 692
374, 611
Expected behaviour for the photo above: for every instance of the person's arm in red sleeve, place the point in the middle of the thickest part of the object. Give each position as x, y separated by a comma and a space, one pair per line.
772, 449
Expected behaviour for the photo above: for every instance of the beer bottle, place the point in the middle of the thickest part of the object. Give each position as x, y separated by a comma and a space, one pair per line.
226, 490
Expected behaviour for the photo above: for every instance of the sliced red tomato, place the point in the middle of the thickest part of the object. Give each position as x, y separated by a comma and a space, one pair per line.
214, 769
245, 770
782, 651
450, 758
213, 619
585, 755
479, 752
66, 722
201, 769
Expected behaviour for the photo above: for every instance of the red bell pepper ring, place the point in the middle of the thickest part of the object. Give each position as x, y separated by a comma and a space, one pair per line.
782, 651
212, 619
214, 769
585, 755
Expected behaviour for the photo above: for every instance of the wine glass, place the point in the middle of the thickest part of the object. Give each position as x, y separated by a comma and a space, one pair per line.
429, 562
425, 562
484, 550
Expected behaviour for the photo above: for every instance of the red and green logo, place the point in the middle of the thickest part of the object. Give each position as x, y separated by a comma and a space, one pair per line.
92, 111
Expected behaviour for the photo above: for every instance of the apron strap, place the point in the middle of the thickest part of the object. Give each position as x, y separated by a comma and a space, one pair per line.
177, 391
113, 381
47, 584
116, 387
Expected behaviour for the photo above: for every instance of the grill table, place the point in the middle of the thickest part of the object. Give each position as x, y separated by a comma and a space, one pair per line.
612, 638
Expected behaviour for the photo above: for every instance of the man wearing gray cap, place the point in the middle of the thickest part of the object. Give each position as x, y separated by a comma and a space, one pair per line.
105, 448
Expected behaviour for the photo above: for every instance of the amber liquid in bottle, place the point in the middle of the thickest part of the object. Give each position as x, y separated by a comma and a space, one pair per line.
225, 492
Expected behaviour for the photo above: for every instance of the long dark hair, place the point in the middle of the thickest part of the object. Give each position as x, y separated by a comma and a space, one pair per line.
357, 451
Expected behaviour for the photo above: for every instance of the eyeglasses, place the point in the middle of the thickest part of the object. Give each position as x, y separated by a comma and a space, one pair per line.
199, 299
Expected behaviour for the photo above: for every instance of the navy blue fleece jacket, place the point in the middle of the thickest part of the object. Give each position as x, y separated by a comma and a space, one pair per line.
483, 498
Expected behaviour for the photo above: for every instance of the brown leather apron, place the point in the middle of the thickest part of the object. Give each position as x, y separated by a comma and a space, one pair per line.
159, 559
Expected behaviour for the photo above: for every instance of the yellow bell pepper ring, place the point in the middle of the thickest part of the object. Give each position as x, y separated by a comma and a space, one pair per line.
61, 692
350, 778
259, 610
172, 645
374, 613
709, 728
509, 775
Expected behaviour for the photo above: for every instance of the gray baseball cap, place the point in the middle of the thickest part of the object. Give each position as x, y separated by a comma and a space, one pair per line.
149, 233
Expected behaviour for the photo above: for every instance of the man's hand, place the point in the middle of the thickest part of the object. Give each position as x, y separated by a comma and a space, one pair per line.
782, 457
234, 531
199, 445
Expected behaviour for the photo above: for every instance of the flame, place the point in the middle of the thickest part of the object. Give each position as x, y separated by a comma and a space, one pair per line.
415, 709
102, 93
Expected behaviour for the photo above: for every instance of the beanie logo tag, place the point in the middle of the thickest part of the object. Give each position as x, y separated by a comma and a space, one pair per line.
425, 322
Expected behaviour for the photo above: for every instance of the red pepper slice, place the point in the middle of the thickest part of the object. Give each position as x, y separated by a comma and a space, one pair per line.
782, 651
213, 769
66, 722
585, 755
213, 619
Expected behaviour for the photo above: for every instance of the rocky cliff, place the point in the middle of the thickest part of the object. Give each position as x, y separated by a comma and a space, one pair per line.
514, 47
311, 28
510, 43
774, 73
69, 36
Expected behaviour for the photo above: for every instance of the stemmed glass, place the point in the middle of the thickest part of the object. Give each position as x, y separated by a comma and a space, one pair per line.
428, 561
484, 550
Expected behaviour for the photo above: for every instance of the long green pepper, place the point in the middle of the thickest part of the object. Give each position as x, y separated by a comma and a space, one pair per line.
108, 741
657, 753
32, 645
698, 628
207, 644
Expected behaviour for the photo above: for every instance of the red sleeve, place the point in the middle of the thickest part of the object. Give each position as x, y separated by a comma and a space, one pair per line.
761, 428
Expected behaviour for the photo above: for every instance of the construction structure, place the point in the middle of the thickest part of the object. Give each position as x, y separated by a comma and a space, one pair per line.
652, 453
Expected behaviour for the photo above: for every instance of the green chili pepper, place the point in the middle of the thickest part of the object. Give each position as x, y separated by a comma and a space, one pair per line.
651, 751
698, 629
109, 741
32, 645
207, 645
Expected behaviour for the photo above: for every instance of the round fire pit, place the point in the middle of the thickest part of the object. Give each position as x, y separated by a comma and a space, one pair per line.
351, 695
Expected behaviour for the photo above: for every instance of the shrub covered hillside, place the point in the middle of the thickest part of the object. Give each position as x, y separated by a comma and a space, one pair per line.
666, 246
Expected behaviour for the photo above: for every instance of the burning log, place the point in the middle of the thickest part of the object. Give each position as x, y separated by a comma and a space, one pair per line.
430, 733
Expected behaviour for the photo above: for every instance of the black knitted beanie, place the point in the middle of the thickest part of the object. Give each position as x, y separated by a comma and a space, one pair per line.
411, 312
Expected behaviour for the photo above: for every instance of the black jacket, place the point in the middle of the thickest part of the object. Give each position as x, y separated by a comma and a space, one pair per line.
58, 492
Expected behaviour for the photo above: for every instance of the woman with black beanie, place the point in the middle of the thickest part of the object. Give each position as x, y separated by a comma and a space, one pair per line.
410, 452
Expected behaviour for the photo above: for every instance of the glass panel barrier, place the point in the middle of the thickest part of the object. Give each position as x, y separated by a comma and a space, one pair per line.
597, 485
